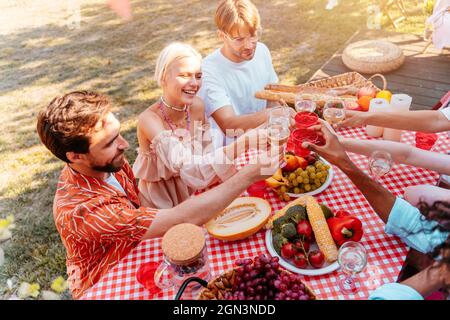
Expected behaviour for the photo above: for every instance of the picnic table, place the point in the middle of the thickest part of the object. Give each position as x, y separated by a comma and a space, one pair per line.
386, 254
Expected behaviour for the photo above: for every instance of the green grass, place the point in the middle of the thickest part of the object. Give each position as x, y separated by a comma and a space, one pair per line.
41, 58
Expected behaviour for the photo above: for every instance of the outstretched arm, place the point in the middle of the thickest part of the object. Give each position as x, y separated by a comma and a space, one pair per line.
422, 120
227, 119
233, 125
379, 198
202, 208
401, 153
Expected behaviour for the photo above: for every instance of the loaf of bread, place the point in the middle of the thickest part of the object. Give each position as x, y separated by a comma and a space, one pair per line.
335, 91
276, 96
319, 99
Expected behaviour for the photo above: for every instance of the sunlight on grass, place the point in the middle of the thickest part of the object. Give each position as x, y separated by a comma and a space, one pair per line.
42, 58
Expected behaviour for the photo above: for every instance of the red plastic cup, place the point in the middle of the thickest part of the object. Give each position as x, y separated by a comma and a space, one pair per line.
290, 145
306, 119
321, 141
425, 141
258, 189
304, 135
146, 276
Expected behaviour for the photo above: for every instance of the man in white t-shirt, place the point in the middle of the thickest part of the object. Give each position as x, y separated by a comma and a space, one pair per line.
233, 73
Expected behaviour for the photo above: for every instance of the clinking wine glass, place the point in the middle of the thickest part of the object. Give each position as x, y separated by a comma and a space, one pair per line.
334, 111
352, 259
302, 104
380, 163
278, 127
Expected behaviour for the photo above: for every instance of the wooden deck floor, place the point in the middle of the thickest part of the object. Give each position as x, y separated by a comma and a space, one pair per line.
424, 76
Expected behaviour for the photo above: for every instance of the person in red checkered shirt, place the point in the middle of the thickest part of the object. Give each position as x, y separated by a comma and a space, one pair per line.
97, 207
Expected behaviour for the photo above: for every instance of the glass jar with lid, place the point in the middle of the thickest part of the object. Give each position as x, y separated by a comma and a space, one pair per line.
185, 256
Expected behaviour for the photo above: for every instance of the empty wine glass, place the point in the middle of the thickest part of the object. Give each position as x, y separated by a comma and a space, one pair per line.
302, 104
333, 111
380, 163
278, 127
352, 259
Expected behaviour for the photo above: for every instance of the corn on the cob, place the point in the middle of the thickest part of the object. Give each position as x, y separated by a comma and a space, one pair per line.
321, 231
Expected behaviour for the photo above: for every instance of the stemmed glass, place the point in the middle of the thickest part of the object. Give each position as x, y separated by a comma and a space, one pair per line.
302, 104
333, 111
278, 126
380, 163
352, 258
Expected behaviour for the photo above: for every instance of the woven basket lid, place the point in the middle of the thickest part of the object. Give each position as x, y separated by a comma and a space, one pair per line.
183, 242
373, 56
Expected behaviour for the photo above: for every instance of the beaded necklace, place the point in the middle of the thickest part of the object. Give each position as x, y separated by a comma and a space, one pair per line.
172, 125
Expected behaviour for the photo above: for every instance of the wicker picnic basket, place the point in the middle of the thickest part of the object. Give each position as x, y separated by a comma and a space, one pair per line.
216, 288
345, 85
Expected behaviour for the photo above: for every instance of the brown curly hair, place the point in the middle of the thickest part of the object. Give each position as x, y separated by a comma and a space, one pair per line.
65, 124
439, 211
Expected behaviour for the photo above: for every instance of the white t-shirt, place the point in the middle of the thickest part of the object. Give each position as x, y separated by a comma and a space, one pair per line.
226, 83
112, 181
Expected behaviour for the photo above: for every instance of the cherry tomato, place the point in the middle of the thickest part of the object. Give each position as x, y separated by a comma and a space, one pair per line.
304, 228
287, 250
316, 258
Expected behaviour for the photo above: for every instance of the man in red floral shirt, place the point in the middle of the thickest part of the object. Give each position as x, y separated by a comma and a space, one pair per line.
97, 209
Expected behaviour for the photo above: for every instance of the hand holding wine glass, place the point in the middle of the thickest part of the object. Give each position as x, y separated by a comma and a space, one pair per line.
334, 112
302, 104
278, 127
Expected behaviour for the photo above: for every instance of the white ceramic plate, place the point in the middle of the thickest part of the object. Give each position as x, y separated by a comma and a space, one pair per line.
322, 187
327, 267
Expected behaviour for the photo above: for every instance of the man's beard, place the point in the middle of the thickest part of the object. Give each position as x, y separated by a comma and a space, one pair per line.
107, 168
110, 167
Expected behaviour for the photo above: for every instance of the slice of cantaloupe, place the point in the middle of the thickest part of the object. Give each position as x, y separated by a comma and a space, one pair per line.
241, 219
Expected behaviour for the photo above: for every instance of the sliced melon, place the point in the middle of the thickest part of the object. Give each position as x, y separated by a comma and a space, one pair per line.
241, 219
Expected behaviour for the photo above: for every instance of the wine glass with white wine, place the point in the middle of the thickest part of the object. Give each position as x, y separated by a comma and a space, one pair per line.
333, 112
380, 163
278, 127
352, 259
302, 104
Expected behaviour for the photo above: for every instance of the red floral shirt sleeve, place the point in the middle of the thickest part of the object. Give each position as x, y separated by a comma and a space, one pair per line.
109, 219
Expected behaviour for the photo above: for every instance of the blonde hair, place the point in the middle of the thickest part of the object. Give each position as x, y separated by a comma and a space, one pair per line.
172, 52
234, 14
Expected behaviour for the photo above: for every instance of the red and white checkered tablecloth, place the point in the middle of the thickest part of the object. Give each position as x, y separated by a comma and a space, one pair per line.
386, 253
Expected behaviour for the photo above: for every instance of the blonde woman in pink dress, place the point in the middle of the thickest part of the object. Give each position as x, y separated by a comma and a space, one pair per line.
175, 155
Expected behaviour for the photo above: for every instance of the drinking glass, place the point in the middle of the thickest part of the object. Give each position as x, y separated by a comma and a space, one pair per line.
172, 274
380, 163
302, 104
258, 189
306, 119
145, 276
334, 111
278, 126
303, 135
352, 259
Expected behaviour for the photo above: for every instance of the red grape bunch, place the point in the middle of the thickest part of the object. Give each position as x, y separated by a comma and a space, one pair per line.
262, 279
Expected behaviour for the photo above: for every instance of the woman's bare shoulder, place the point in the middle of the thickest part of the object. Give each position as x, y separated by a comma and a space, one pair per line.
149, 122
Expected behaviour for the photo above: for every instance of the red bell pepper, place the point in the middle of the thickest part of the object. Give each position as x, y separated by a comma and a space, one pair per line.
345, 228
342, 213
